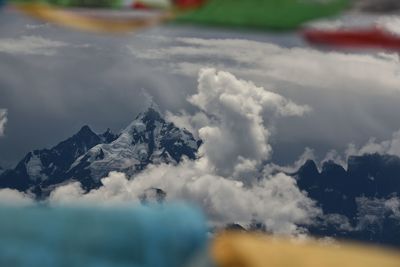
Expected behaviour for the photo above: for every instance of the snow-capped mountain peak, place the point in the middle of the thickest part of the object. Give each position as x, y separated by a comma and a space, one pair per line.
45, 167
87, 157
149, 139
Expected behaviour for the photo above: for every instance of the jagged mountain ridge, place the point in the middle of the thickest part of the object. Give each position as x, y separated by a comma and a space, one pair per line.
370, 175
86, 156
149, 139
360, 202
46, 167
354, 200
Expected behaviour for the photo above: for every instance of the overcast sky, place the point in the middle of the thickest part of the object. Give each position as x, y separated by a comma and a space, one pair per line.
53, 81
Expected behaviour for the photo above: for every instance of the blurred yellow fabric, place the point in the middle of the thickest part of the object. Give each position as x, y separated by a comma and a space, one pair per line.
252, 250
90, 23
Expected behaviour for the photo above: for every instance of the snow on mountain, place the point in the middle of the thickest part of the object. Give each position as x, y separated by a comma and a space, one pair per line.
87, 157
43, 168
149, 139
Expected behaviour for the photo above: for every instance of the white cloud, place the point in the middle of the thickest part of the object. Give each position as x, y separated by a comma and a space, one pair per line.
391, 147
337, 220
14, 197
304, 67
30, 45
275, 200
37, 26
393, 206
236, 139
69, 193
272, 168
3, 121
336, 157
225, 180
188, 121
390, 23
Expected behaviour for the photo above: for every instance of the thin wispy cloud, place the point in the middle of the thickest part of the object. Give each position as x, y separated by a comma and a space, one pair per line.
37, 26
305, 67
30, 45
3, 121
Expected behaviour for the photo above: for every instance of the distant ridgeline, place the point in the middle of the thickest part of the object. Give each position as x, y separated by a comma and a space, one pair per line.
361, 202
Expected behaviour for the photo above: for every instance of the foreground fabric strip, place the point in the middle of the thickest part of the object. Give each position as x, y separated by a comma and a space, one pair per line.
252, 250
262, 14
76, 20
111, 4
354, 38
162, 236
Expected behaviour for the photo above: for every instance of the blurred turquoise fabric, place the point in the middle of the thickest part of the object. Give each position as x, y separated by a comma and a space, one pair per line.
162, 236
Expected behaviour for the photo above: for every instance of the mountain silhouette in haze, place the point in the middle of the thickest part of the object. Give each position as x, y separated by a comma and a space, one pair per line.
360, 202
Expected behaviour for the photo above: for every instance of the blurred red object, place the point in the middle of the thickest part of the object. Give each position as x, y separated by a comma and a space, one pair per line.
354, 38
140, 5
189, 3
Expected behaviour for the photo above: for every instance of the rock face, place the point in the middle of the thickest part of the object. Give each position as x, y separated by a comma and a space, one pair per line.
360, 202
149, 139
43, 168
87, 157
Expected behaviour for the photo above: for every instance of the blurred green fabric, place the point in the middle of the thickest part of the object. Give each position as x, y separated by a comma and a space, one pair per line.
263, 14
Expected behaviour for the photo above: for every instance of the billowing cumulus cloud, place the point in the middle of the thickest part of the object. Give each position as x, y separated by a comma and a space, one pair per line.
236, 139
3, 121
275, 200
30, 45
226, 180
14, 197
